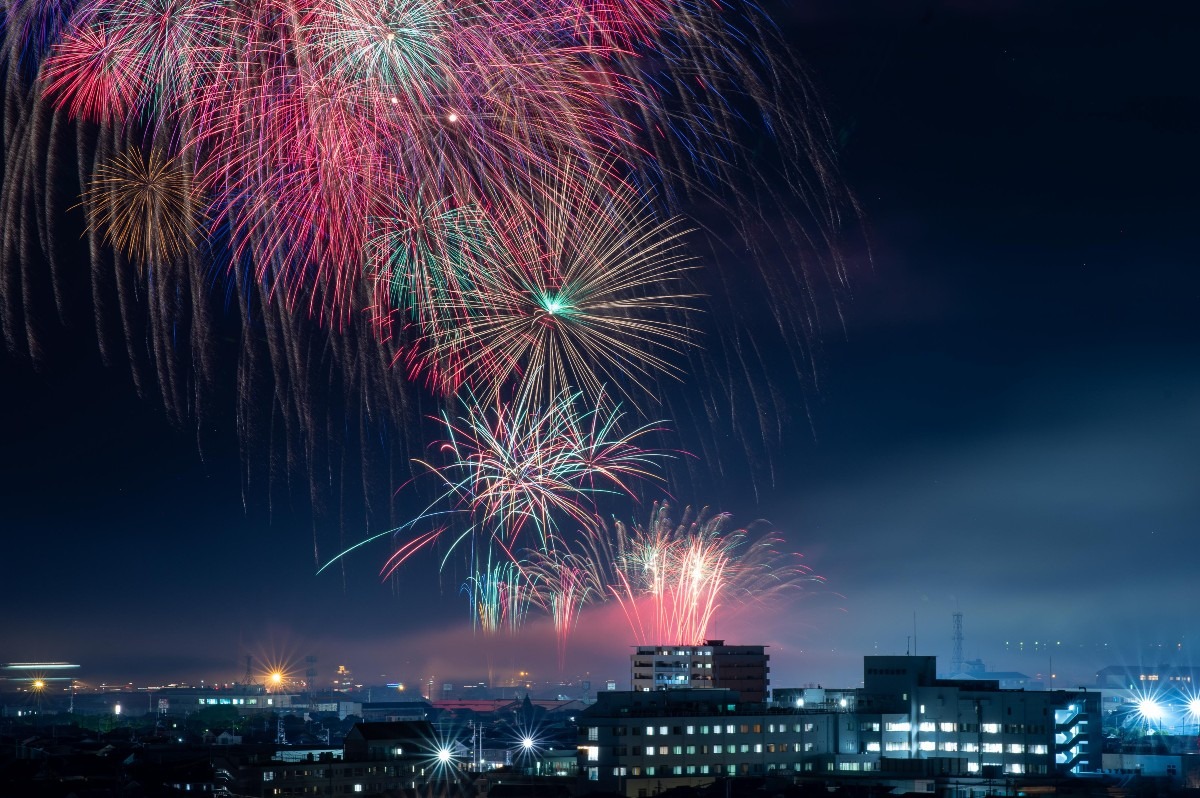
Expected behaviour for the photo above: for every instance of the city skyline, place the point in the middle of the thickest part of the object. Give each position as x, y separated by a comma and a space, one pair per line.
1004, 424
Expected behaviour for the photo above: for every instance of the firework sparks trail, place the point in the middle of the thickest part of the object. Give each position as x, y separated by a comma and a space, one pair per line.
566, 583
584, 296
143, 206
304, 120
512, 466
500, 595
670, 578
495, 181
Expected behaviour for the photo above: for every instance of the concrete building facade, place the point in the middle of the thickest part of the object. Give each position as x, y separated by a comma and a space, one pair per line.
903, 720
712, 665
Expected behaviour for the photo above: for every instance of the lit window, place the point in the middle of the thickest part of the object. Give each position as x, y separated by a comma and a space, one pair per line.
992, 748
662, 729
718, 749
926, 745
947, 727
691, 729
649, 750
593, 733
729, 729
1016, 748
873, 747
650, 731
927, 726
358, 788
949, 746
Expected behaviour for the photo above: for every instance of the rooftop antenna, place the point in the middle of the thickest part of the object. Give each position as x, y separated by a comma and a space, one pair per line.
310, 680
957, 661
248, 677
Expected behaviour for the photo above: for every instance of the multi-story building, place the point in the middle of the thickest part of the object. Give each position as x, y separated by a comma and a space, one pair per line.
903, 720
246, 699
905, 712
670, 738
711, 665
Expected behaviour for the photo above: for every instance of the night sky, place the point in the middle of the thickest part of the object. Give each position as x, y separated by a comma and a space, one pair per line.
1006, 422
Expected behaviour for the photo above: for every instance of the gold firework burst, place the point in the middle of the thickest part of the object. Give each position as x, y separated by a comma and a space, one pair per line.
144, 206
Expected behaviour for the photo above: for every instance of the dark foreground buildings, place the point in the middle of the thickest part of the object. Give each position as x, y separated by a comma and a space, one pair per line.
904, 728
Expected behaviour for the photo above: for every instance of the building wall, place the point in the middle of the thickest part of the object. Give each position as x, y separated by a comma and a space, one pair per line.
902, 713
630, 740
712, 665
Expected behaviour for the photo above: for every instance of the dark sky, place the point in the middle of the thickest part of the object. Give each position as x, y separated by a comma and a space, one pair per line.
1007, 422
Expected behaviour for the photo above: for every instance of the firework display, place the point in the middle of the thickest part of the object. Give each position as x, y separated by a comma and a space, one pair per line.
482, 198
516, 472
672, 574
143, 206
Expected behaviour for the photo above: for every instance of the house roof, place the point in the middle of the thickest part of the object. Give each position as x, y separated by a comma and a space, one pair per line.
391, 730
